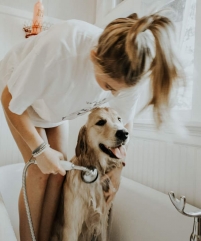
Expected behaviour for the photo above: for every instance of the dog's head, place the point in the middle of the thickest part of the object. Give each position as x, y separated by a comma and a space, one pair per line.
105, 133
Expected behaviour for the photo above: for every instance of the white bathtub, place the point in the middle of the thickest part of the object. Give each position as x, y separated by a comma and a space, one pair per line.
140, 213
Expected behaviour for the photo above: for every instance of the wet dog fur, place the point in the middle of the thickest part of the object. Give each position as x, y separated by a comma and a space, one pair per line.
83, 214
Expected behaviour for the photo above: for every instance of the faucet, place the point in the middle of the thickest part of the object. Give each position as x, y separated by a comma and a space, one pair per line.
180, 206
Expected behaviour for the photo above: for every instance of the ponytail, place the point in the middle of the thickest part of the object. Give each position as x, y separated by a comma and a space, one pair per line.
165, 66
140, 47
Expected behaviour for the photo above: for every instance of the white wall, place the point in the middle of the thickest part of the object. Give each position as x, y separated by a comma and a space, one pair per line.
62, 9
166, 162
196, 111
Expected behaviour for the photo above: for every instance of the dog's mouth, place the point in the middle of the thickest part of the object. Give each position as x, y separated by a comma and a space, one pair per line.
118, 152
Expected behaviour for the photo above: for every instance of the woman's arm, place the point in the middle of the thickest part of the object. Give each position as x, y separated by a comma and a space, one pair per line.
21, 123
48, 161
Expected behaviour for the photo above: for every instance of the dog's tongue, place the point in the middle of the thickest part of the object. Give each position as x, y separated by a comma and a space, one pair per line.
119, 152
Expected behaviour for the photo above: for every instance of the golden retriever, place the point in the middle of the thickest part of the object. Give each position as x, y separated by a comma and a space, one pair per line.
84, 212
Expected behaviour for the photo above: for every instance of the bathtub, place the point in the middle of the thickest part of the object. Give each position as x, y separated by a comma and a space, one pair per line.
140, 213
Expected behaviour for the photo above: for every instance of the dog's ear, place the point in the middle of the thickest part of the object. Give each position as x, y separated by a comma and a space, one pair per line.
81, 147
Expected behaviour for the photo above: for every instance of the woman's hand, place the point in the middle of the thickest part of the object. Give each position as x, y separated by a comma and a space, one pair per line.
49, 162
113, 179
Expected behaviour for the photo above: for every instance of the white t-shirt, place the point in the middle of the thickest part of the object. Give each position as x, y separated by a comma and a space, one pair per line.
51, 75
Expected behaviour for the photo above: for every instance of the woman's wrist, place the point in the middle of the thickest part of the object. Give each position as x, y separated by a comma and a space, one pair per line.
40, 149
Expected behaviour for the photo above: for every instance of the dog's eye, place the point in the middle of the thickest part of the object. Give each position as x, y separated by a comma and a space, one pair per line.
119, 119
101, 122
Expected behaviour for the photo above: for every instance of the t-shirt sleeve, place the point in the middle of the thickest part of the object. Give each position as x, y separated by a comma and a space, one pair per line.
125, 104
30, 79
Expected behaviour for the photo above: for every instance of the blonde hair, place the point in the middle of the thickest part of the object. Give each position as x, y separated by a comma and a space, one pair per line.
130, 47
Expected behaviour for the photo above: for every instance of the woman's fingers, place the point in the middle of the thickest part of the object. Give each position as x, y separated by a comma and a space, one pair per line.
58, 169
49, 162
109, 196
112, 179
61, 171
61, 156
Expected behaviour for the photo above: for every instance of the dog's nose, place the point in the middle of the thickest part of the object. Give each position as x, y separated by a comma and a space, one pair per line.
122, 134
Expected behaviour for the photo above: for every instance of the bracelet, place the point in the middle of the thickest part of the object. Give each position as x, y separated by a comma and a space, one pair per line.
40, 149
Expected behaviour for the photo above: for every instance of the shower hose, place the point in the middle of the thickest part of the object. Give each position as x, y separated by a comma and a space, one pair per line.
30, 162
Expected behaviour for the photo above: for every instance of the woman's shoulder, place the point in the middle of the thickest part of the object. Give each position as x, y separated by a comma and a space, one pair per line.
80, 27
72, 29
70, 37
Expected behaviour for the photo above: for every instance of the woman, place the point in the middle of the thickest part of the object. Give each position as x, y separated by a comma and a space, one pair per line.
67, 71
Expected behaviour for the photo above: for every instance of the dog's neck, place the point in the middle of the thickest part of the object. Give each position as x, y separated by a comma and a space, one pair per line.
100, 160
